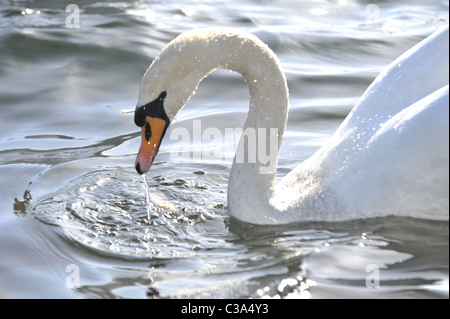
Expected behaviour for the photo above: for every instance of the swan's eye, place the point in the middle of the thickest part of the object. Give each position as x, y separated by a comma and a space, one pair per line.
148, 131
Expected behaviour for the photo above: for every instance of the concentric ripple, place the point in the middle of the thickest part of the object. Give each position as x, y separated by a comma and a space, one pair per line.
108, 211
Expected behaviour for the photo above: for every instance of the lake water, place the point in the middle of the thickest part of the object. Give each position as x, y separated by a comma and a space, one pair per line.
73, 211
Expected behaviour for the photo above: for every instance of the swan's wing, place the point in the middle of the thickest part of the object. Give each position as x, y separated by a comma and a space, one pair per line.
404, 168
393, 147
417, 73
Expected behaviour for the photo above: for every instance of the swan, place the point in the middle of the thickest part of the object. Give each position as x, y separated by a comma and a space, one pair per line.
390, 156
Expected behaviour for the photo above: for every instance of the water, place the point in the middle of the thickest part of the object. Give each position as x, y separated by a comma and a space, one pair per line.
75, 219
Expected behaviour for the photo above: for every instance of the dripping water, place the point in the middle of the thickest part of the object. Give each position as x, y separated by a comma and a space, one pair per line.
148, 197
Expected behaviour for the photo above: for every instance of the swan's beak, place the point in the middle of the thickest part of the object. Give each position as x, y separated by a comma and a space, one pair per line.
152, 133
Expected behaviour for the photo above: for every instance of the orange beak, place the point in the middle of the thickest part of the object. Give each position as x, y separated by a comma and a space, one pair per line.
152, 133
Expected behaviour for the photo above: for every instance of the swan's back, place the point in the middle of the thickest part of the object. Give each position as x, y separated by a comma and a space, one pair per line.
417, 73
391, 154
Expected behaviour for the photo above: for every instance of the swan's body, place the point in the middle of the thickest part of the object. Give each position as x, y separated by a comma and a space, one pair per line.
390, 156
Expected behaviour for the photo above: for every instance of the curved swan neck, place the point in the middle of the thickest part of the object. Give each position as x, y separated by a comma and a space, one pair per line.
191, 57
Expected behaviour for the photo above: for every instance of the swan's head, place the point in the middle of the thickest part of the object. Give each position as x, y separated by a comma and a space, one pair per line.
153, 120
165, 88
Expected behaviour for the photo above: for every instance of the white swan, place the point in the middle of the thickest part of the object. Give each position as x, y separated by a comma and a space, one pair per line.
390, 156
